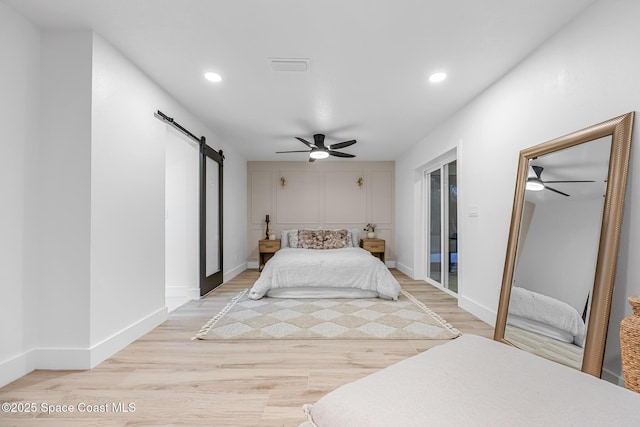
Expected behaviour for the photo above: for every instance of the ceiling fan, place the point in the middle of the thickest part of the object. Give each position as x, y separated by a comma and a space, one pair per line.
535, 183
321, 151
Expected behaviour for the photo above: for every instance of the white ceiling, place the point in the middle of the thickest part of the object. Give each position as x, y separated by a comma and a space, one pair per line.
369, 61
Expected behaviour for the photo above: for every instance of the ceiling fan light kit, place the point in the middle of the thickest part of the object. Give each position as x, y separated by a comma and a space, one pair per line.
534, 185
320, 151
319, 154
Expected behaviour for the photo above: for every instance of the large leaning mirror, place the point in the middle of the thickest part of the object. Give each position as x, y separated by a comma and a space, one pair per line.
563, 245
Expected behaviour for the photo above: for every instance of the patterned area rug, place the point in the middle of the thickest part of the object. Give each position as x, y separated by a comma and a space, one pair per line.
277, 318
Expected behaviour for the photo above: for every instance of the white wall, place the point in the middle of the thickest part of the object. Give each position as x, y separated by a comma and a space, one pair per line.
128, 207
150, 153
558, 257
64, 192
235, 212
19, 134
83, 187
585, 74
182, 231
127, 203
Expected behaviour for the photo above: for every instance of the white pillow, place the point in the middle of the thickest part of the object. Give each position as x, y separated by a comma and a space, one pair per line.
354, 236
284, 237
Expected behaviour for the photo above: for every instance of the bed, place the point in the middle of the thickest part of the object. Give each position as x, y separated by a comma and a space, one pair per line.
324, 264
475, 381
544, 315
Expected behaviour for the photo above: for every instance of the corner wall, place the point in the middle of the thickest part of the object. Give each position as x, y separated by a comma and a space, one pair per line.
585, 74
128, 201
84, 159
128, 166
64, 214
20, 45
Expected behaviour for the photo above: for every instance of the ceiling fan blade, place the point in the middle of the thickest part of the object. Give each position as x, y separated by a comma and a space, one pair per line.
559, 182
305, 142
318, 139
342, 144
339, 154
311, 159
556, 191
538, 171
294, 151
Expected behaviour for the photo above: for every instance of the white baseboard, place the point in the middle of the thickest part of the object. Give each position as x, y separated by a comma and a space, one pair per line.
186, 292
390, 264
230, 274
253, 264
17, 367
481, 312
193, 293
612, 377
77, 358
62, 358
44, 358
405, 269
110, 346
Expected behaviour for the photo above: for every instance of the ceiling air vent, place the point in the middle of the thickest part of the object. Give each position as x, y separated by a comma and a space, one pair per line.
282, 64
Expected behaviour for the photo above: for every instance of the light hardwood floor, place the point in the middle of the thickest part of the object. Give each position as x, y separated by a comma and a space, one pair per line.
173, 380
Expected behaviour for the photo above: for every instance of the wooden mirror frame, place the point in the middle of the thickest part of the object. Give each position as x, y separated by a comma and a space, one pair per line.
619, 128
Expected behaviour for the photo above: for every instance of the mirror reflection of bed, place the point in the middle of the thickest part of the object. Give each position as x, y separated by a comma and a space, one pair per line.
549, 338
557, 253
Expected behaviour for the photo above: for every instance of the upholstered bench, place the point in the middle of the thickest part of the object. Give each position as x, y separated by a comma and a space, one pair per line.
475, 381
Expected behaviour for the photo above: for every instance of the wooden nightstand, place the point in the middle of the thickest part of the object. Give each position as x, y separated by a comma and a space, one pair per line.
375, 246
266, 249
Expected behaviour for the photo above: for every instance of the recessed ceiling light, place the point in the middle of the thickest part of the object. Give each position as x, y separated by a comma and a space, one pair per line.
213, 77
437, 77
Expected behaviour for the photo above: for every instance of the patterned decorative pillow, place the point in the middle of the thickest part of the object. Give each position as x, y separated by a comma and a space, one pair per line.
292, 238
337, 239
310, 239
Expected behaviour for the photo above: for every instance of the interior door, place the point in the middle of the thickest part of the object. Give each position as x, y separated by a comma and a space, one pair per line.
210, 219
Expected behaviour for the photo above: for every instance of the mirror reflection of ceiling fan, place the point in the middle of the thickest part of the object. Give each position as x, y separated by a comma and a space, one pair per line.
535, 183
320, 151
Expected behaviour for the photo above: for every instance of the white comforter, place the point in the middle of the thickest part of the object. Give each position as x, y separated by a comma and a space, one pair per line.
547, 310
349, 268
